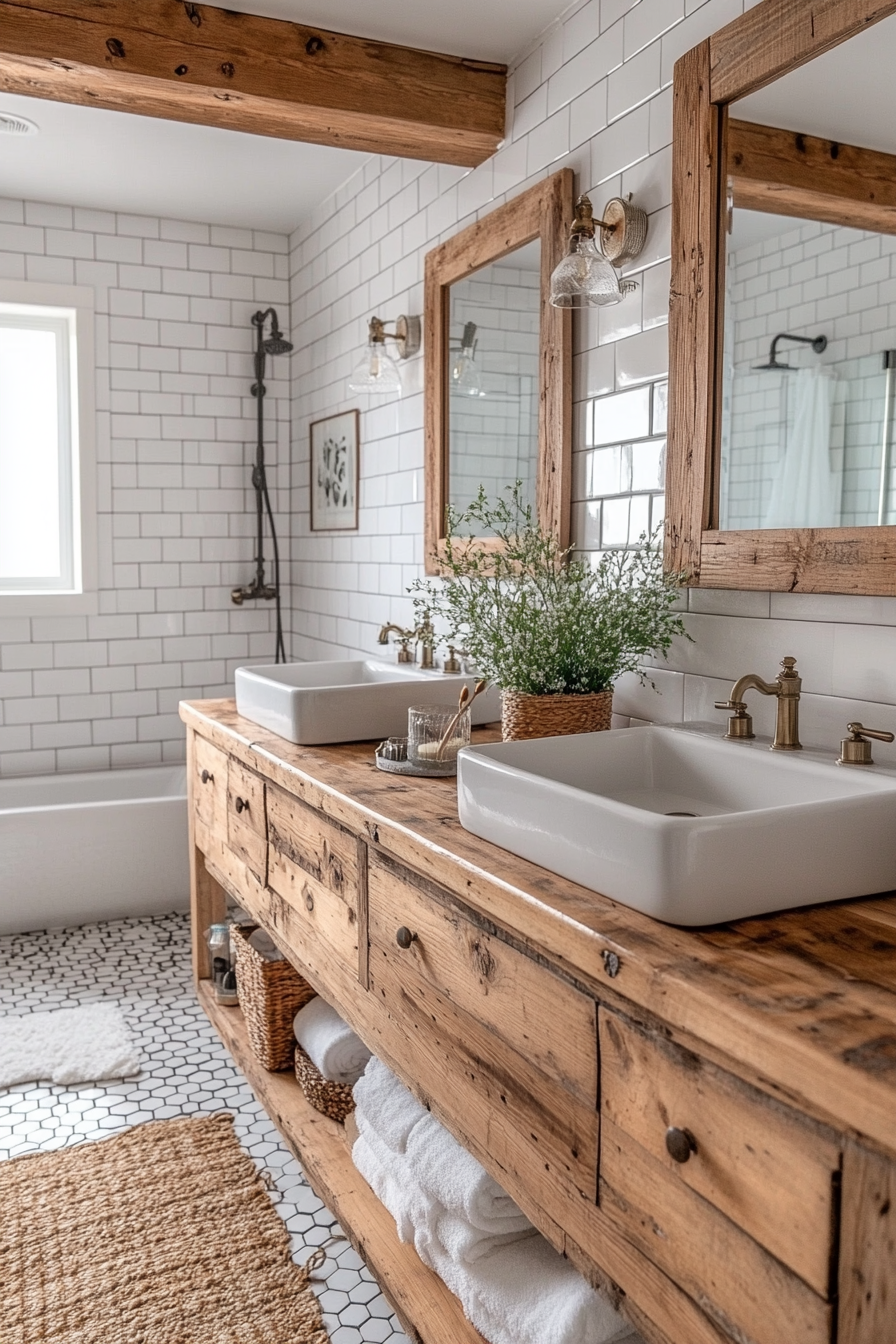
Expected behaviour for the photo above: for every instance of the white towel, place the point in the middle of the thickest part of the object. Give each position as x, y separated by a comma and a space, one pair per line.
466, 1244
330, 1043
514, 1287
386, 1174
69, 1046
387, 1105
452, 1176
264, 945
528, 1294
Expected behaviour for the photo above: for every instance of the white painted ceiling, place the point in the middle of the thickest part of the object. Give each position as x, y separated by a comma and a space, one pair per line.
848, 94
116, 161
141, 165
486, 30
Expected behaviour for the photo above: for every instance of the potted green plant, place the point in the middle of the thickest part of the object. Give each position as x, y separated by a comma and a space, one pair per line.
553, 632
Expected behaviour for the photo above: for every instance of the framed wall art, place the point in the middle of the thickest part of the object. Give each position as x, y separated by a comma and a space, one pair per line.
334, 473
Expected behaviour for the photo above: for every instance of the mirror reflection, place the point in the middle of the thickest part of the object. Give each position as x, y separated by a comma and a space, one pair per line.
809, 342
492, 378
809, 355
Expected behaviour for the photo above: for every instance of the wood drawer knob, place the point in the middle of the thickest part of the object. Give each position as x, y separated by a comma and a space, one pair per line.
680, 1143
206, 777
404, 937
241, 805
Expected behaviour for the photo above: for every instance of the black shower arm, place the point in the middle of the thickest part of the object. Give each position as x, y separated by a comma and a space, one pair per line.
818, 343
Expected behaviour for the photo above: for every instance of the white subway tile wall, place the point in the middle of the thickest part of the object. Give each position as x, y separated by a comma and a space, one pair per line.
593, 94
175, 440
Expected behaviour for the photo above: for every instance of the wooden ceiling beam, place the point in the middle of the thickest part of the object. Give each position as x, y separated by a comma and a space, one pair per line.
787, 173
215, 67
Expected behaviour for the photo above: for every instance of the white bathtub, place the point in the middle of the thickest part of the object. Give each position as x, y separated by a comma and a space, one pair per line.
103, 845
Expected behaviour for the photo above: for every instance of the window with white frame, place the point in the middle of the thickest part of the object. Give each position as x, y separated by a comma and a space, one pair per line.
42, 453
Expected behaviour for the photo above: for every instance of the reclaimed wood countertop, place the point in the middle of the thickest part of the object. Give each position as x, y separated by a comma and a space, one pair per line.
801, 1003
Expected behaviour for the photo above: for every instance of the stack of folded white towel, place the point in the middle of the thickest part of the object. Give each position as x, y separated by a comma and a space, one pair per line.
513, 1285
330, 1043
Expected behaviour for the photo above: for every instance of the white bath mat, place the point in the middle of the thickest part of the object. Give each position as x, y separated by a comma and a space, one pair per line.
69, 1046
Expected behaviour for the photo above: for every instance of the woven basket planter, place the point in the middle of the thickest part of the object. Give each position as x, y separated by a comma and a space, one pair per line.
270, 994
524, 716
331, 1099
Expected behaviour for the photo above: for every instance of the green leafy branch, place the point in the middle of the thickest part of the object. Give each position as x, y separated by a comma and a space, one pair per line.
535, 619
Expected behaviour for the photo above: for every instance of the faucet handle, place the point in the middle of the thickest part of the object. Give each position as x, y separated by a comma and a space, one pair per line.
740, 725
856, 749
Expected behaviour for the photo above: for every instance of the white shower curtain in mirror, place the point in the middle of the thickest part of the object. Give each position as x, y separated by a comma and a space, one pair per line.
806, 491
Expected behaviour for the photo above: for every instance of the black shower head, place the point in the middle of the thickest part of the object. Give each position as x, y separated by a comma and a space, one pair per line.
276, 343
818, 343
772, 364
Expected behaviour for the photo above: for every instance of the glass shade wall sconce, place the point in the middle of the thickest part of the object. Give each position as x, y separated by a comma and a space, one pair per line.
377, 373
464, 370
587, 277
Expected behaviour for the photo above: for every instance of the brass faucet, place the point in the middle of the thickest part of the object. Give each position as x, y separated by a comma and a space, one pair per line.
423, 635
426, 637
786, 687
404, 638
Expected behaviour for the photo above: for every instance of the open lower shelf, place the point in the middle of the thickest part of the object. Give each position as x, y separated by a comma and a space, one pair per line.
428, 1311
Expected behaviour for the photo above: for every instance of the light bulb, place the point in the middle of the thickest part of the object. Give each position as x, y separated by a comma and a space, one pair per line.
465, 375
377, 373
584, 278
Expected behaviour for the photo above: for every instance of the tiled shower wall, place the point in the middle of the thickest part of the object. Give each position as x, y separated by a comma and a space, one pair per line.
593, 94
175, 438
814, 279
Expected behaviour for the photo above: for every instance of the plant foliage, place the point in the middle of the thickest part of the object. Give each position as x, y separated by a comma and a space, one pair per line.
536, 620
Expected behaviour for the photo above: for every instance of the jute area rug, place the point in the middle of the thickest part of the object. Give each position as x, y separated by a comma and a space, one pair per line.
162, 1235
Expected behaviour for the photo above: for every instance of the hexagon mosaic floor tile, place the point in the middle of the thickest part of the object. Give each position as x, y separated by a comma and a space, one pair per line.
144, 966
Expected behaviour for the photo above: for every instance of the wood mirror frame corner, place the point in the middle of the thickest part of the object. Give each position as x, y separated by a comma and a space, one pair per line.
544, 212
768, 41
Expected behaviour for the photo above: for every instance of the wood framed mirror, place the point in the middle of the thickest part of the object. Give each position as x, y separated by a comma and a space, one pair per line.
498, 364
781, 463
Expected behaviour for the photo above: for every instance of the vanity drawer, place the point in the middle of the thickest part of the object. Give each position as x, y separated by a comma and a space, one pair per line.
303, 841
208, 785
246, 828
317, 869
771, 1173
490, 1039
545, 1019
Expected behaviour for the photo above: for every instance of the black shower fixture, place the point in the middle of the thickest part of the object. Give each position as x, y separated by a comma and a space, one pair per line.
818, 344
275, 344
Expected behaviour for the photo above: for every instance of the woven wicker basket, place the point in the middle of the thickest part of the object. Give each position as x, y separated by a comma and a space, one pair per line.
270, 993
524, 716
331, 1099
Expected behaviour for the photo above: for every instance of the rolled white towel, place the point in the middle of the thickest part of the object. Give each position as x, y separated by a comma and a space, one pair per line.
330, 1043
264, 945
452, 1176
387, 1105
528, 1294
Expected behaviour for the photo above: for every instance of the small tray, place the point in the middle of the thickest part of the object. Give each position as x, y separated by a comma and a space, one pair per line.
406, 767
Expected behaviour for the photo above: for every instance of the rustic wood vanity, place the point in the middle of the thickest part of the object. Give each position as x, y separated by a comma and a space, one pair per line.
703, 1122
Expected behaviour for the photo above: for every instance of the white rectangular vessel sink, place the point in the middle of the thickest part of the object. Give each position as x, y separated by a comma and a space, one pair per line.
689, 829
348, 701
